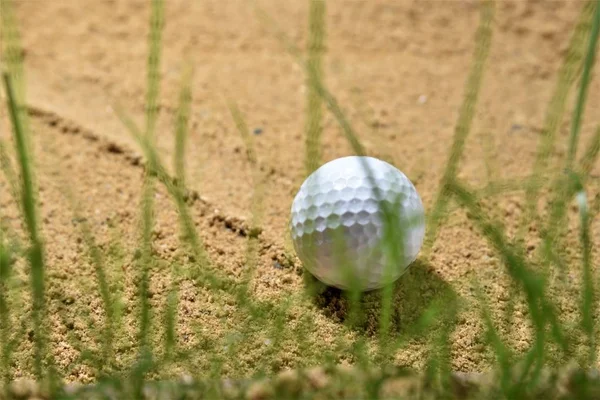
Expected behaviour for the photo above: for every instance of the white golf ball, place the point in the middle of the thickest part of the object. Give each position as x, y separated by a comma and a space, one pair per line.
337, 223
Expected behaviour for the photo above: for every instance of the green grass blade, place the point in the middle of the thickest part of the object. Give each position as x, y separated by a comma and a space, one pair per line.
146, 260
465, 119
6, 330
556, 108
12, 51
314, 114
108, 301
584, 86
35, 253
501, 350
170, 323
181, 128
540, 308
156, 168
588, 160
9, 172
154, 56
588, 308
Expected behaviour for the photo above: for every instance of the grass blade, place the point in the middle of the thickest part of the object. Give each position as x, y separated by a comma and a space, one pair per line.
155, 167
465, 119
588, 309
9, 172
314, 115
541, 310
565, 186
183, 116
6, 263
556, 108
588, 160
584, 85
35, 253
154, 55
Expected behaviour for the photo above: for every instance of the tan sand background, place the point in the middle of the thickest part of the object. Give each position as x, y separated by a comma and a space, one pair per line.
397, 67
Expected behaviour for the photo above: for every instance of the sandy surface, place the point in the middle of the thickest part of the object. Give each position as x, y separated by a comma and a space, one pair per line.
397, 67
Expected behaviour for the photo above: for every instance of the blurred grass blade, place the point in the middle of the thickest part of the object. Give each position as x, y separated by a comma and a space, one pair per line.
181, 129
588, 309
290, 47
170, 322
588, 160
9, 172
463, 125
154, 56
502, 352
583, 86
257, 199
6, 330
146, 260
12, 51
35, 253
155, 167
556, 108
564, 189
108, 301
540, 308
314, 114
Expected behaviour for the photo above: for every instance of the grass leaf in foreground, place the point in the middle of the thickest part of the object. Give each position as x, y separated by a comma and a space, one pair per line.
189, 233
181, 128
588, 308
6, 330
35, 252
565, 187
583, 87
146, 258
541, 310
314, 114
463, 125
556, 108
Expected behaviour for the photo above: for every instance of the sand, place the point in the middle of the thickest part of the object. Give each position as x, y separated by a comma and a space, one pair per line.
397, 68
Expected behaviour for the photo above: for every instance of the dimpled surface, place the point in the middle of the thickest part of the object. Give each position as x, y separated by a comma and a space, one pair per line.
339, 201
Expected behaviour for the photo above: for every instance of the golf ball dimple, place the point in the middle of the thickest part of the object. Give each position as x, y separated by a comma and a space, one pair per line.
337, 223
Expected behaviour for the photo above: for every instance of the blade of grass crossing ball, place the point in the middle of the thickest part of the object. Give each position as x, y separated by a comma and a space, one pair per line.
584, 86
36, 252
314, 115
391, 236
556, 107
315, 80
465, 119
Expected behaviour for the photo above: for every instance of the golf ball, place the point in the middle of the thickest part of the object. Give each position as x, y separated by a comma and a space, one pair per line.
338, 229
